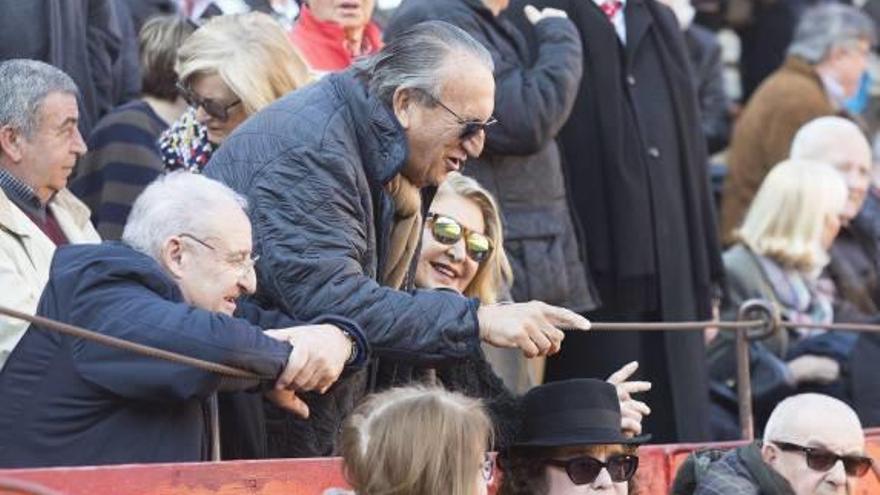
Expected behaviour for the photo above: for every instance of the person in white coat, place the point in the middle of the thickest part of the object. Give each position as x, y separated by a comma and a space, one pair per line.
39, 146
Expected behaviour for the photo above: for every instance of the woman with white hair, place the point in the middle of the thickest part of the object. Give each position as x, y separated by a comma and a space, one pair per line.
229, 69
781, 250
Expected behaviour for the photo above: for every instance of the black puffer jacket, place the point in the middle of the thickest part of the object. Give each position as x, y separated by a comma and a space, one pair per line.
313, 165
522, 164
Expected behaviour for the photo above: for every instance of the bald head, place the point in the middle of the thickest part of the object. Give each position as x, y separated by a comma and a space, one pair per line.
806, 416
840, 143
817, 422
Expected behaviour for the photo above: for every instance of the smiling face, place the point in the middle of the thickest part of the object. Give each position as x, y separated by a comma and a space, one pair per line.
213, 278
448, 266
45, 160
350, 14
212, 87
433, 133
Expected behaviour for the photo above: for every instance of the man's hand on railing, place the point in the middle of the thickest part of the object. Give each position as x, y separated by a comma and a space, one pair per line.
631, 410
318, 357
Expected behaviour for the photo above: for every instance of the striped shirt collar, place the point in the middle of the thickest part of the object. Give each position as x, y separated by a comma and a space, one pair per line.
21, 194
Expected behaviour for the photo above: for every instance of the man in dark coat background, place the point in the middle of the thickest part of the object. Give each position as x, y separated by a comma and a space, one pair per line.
637, 173
80, 37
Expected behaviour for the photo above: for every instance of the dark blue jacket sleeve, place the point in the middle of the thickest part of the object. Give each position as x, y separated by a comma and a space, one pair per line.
132, 311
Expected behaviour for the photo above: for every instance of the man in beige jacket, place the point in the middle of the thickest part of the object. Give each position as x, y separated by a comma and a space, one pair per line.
39, 146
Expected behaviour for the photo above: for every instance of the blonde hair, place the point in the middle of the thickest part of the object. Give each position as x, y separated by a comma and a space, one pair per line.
250, 52
787, 218
415, 441
495, 274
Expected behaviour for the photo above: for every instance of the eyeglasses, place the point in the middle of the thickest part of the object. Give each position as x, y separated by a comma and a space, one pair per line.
448, 231
823, 460
487, 467
219, 111
469, 128
585, 469
243, 264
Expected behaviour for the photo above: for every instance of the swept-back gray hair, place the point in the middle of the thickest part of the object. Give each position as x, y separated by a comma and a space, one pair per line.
24, 84
415, 59
174, 204
829, 26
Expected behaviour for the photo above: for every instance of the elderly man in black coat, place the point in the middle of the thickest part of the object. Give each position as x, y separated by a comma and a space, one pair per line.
637, 170
335, 173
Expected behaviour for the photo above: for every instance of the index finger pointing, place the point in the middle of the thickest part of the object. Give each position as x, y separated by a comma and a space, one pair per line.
565, 319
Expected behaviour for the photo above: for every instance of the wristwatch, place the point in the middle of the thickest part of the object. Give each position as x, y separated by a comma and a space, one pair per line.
353, 350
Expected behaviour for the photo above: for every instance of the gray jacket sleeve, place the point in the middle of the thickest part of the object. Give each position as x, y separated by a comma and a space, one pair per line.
533, 103
310, 218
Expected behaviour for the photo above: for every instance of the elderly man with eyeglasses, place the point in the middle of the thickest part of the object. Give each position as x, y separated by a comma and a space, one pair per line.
340, 174
173, 283
813, 445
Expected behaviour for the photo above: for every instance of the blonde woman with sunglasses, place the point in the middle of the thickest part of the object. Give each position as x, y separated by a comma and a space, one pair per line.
462, 250
229, 69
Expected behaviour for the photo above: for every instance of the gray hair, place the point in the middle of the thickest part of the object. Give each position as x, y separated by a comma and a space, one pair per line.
415, 59
174, 204
24, 85
829, 26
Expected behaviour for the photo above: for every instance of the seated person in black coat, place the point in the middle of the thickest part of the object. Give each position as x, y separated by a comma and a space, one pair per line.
174, 284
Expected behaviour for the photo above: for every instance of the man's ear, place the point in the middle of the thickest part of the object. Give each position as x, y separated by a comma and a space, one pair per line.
172, 257
403, 104
769, 453
10, 143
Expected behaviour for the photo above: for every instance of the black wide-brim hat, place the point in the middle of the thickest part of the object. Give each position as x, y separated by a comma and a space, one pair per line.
582, 411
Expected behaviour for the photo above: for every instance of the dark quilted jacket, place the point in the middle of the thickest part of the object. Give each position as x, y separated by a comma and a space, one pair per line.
312, 166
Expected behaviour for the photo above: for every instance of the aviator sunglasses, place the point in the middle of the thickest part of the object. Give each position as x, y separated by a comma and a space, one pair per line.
585, 469
448, 231
219, 111
823, 460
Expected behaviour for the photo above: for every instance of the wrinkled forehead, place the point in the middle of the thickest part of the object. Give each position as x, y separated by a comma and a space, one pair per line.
467, 85
229, 225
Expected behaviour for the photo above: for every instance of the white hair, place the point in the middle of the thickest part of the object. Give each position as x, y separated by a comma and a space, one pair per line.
807, 407
180, 202
829, 139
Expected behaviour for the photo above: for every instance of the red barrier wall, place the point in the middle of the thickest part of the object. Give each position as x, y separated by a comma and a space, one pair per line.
658, 464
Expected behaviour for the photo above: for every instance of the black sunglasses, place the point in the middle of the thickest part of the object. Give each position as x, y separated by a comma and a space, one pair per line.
823, 460
469, 128
219, 111
585, 469
448, 231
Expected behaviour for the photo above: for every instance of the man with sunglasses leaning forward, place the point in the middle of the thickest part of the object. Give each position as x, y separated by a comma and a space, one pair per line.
336, 174
813, 445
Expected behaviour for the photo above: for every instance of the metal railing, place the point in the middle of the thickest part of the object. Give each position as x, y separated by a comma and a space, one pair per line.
757, 319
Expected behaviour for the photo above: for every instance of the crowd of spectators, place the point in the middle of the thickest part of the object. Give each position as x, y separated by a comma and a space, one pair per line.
431, 206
